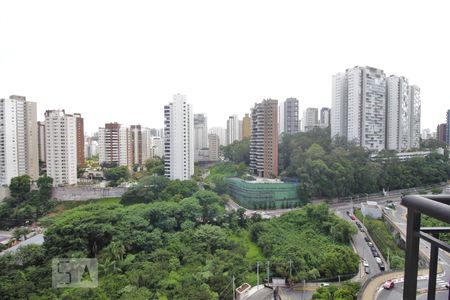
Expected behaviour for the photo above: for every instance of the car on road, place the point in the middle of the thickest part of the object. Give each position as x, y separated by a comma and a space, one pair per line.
365, 263
352, 217
357, 224
382, 268
370, 244
378, 260
367, 239
375, 254
361, 229
367, 270
388, 285
347, 212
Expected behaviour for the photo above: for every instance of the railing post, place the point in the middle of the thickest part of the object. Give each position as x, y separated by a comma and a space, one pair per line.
412, 254
434, 254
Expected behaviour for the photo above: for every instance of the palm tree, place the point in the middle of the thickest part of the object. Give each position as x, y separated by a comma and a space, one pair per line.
115, 251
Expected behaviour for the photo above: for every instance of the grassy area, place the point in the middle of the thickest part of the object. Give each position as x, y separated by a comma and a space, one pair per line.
381, 235
254, 254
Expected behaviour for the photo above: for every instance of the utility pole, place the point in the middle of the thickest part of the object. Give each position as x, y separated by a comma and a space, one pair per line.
268, 272
389, 263
339, 278
234, 289
257, 273
290, 269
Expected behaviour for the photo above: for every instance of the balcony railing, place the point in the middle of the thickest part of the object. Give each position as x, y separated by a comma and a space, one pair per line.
438, 207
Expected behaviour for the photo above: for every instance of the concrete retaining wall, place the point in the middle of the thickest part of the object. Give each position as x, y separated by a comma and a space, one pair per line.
83, 193
4, 192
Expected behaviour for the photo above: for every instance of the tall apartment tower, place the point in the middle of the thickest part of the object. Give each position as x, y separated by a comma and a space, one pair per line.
221, 133
414, 116
19, 154
141, 146
310, 118
397, 113
264, 139
214, 144
41, 142
157, 146
359, 107
441, 132
200, 132
233, 133
61, 144
325, 114
179, 139
80, 140
448, 127
246, 126
339, 106
114, 145
288, 117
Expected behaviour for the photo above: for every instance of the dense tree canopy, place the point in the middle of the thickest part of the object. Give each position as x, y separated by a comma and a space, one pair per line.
26, 205
315, 240
340, 169
116, 175
238, 151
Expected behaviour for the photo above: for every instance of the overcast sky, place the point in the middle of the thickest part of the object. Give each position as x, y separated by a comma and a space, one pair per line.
123, 60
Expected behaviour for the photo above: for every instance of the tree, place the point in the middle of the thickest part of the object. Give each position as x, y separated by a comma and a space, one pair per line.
20, 186
116, 174
209, 201
238, 151
20, 232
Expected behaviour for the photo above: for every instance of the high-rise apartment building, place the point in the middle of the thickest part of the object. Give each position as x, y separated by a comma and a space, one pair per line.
288, 116
359, 107
325, 114
397, 113
339, 109
448, 127
213, 147
246, 126
141, 147
414, 116
114, 145
233, 132
375, 112
41, 142
221, 133
179, 139
310, 118
264, 139
61, 144
441, 132
366, 107
80, 140
157, 146
200, 132
19, 154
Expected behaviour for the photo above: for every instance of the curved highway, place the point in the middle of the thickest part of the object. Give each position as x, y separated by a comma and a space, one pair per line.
398, 216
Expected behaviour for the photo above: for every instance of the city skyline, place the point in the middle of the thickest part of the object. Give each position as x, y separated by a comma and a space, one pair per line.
137, 63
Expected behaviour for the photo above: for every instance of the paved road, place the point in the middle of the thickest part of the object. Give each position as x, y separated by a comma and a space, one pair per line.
34, 240
285, 293
362, 248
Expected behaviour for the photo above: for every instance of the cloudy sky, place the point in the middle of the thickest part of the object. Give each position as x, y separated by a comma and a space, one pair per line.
123, 60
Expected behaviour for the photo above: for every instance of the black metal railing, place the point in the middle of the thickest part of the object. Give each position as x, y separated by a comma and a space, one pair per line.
438, 207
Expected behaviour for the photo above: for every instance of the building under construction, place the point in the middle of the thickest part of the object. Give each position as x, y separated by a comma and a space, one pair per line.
263, 193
